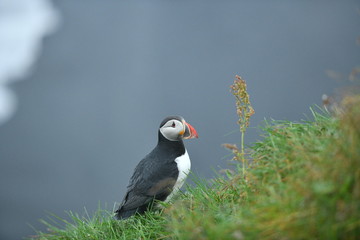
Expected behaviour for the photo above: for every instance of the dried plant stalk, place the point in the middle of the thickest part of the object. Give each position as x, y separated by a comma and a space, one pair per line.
244, 110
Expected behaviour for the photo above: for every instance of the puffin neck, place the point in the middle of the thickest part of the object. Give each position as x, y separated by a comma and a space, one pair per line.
178, 146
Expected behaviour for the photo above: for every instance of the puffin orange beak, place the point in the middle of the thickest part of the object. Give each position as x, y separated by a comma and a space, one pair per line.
190, 132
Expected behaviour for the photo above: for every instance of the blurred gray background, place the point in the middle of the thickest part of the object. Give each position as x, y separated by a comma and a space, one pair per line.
88, 107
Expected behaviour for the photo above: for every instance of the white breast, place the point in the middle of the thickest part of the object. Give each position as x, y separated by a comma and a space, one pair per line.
184, 165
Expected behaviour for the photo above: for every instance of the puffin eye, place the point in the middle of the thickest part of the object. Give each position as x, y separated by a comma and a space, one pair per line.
173, 124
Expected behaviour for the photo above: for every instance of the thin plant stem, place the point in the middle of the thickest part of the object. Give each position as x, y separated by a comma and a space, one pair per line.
243, 152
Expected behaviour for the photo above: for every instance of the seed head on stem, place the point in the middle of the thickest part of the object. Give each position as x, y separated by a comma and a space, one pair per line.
244, 111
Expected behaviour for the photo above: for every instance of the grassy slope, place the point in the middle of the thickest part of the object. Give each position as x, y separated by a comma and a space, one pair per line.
304, 183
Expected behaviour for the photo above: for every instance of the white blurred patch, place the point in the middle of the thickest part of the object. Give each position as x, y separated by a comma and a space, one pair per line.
23, 24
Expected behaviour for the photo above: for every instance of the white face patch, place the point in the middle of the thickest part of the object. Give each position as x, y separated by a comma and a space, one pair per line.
171, 129
184, 164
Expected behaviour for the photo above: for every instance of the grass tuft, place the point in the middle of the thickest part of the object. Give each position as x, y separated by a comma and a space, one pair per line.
102, 225
303, 183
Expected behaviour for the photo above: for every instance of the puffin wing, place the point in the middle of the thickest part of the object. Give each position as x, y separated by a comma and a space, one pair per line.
151, 181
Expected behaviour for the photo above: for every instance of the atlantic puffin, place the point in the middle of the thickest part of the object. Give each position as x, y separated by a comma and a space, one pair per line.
161, 173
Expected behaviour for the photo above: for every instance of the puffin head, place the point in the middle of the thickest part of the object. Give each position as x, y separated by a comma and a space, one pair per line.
175, 128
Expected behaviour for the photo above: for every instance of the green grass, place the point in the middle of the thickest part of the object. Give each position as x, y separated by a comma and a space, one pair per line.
303, 183
102, 225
